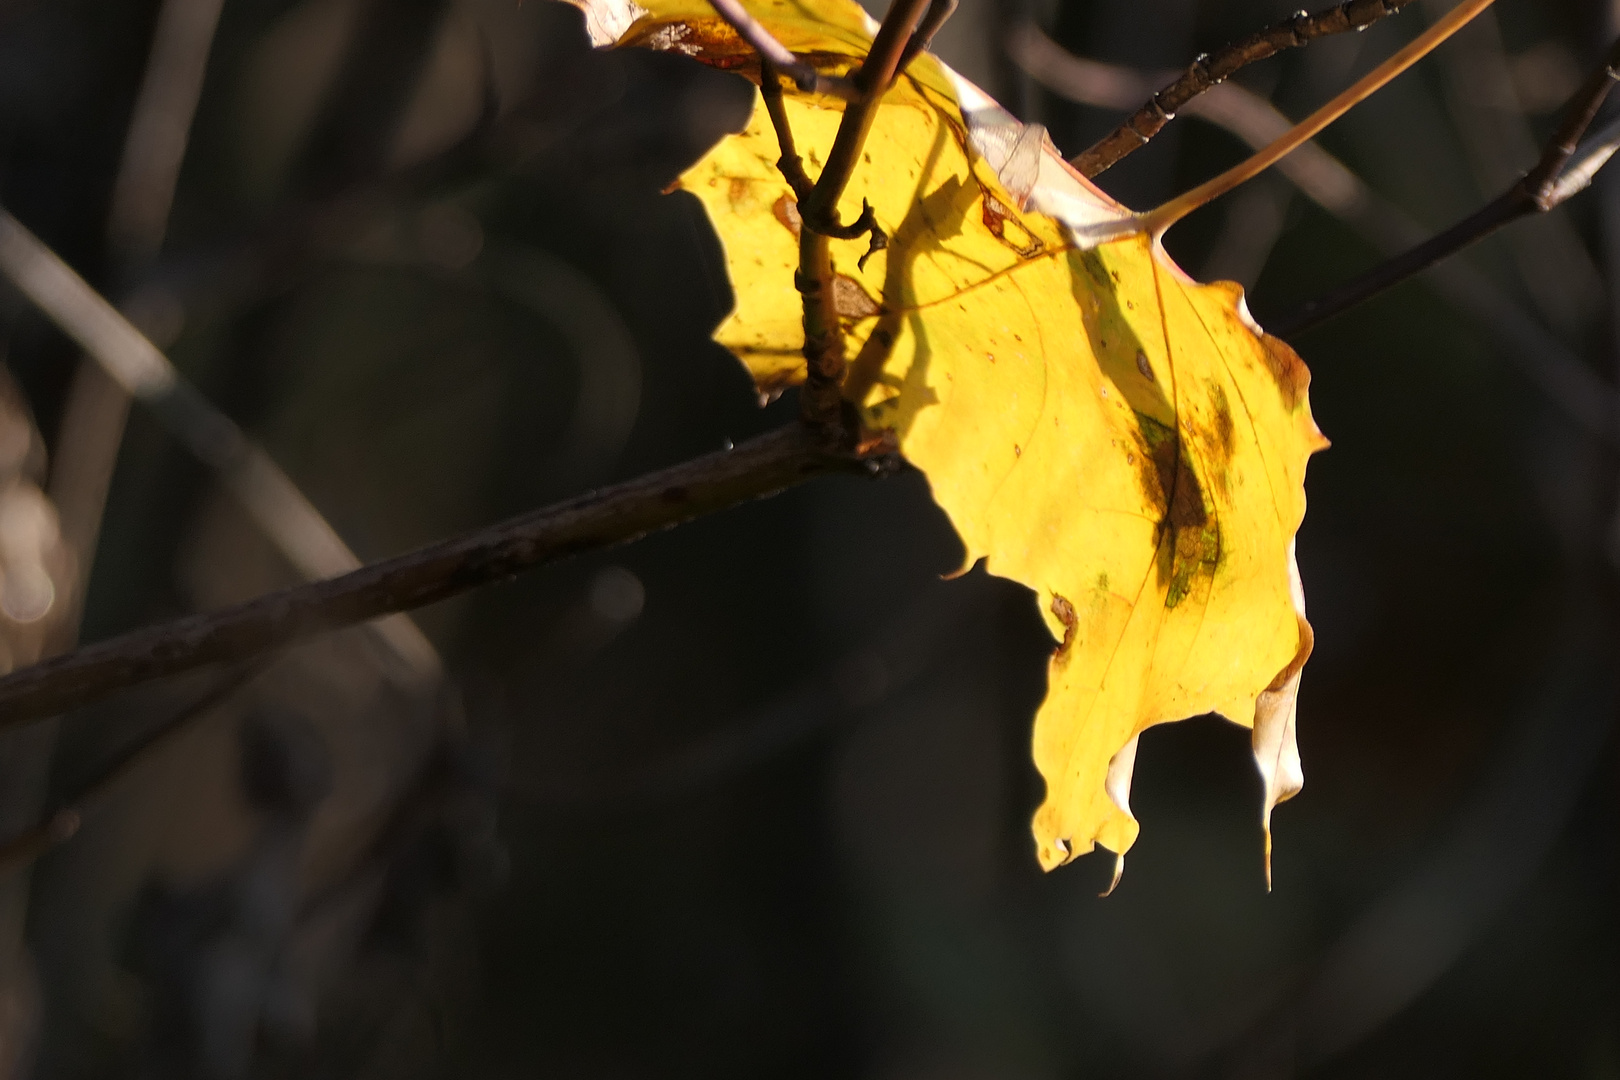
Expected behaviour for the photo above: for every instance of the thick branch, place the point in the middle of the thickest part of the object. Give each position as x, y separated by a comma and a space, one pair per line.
589, 522
1539, 191
1212, 70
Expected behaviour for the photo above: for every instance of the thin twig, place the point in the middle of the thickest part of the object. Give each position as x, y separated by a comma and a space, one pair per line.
270, 498
1212, 70
1566, 381
1538, 192
615, 515
63, 823
939, 11
790, 164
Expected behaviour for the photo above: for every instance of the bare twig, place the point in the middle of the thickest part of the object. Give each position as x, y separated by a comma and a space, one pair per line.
790, 164
1212, 70
63, 823
270, 498
935, 17
1538, 192
615, 515
1228, 106
1566, 381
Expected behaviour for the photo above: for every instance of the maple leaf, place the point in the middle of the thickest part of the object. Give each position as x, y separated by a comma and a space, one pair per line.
1098, 426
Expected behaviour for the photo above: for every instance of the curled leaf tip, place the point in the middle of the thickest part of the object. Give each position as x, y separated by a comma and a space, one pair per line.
1119, 872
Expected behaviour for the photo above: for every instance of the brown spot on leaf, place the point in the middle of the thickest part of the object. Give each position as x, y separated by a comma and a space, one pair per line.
1190, 543
1292, 376
1143, 366
1223, 423
1001, 221
737, 190
1065, 615
851, 300
786, 210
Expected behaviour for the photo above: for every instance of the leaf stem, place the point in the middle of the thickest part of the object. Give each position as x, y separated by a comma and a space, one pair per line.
1158, 220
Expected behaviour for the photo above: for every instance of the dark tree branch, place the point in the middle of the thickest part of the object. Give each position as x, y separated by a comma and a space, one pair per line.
1538, 192
615, 515
1212, 70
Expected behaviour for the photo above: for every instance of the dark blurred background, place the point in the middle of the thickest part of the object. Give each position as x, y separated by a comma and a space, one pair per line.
750, 798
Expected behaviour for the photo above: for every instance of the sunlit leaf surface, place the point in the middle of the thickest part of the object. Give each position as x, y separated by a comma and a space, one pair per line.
1098, 427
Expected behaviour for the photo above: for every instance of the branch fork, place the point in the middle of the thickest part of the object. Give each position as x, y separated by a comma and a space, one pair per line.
905, 32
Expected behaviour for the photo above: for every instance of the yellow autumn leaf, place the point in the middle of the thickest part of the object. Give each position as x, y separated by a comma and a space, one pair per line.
1099, 427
